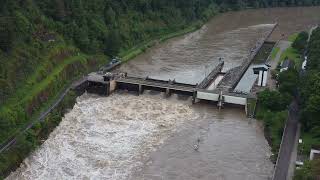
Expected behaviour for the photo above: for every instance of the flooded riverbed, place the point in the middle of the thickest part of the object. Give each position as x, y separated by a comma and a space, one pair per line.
149, 137
112, 138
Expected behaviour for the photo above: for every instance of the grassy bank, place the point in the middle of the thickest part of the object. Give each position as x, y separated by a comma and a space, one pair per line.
293, 37
40, 88
34, 137
57, 68
274, 52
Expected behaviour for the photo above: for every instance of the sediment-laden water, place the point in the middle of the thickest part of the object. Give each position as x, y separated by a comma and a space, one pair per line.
149, 137
112, 138
105, 138
192, 58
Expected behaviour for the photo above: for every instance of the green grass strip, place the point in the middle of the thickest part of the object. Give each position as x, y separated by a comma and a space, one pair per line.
292, 54
293, 37
274, 52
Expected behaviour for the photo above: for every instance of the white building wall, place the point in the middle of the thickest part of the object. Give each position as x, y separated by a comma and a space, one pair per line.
265, 79
260, 78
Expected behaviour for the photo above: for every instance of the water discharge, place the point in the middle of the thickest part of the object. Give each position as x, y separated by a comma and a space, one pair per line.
112, 138
105, 138
149, 137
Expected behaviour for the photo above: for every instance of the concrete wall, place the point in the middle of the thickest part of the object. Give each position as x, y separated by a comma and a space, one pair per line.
235, 100
314, 153
113, 86
207, 96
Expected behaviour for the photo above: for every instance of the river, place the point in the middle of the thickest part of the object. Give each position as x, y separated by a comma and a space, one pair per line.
149, 137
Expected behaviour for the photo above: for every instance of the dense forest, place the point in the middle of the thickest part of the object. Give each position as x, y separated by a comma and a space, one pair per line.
45, 44
310, 107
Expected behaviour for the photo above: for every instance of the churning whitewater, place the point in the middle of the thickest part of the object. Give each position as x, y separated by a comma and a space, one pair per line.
104, 138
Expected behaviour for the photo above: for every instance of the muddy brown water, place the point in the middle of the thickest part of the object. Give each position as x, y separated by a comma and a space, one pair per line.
148, 137
230, 36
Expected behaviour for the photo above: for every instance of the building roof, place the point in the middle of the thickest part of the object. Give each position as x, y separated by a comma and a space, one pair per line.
262, 67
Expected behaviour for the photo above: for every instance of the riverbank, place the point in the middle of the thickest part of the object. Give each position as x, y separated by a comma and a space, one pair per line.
273, 101
32, 138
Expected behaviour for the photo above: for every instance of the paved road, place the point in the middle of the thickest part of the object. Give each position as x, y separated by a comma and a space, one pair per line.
287, 145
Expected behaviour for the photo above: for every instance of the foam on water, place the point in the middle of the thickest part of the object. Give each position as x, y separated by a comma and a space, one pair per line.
104, 138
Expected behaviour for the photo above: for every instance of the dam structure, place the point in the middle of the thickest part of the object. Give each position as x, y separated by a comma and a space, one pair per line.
217, 86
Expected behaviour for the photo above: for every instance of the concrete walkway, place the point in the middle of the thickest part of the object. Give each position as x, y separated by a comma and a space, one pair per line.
283, 45
294, 155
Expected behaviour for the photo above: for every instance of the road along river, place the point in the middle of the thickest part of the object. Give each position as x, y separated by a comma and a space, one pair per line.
148, 137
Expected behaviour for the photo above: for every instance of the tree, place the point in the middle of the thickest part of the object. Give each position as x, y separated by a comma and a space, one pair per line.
113, 43
109, 15
273, 100
6, 33
288, 81
300, 42
311, 113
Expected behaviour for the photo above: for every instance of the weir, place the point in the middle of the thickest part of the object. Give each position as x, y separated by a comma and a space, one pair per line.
105, 84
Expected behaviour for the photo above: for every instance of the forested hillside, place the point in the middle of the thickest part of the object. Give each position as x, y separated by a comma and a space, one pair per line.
45, 44
96, 26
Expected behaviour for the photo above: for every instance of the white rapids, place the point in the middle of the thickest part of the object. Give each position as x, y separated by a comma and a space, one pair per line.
105, 138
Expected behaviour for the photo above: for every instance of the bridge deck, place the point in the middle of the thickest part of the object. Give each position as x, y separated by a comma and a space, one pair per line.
158, 84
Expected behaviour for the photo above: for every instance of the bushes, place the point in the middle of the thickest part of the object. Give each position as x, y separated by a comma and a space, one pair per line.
314, 51
274, 100
274, 123
300, 42
288, 81
272, 110
309, 171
